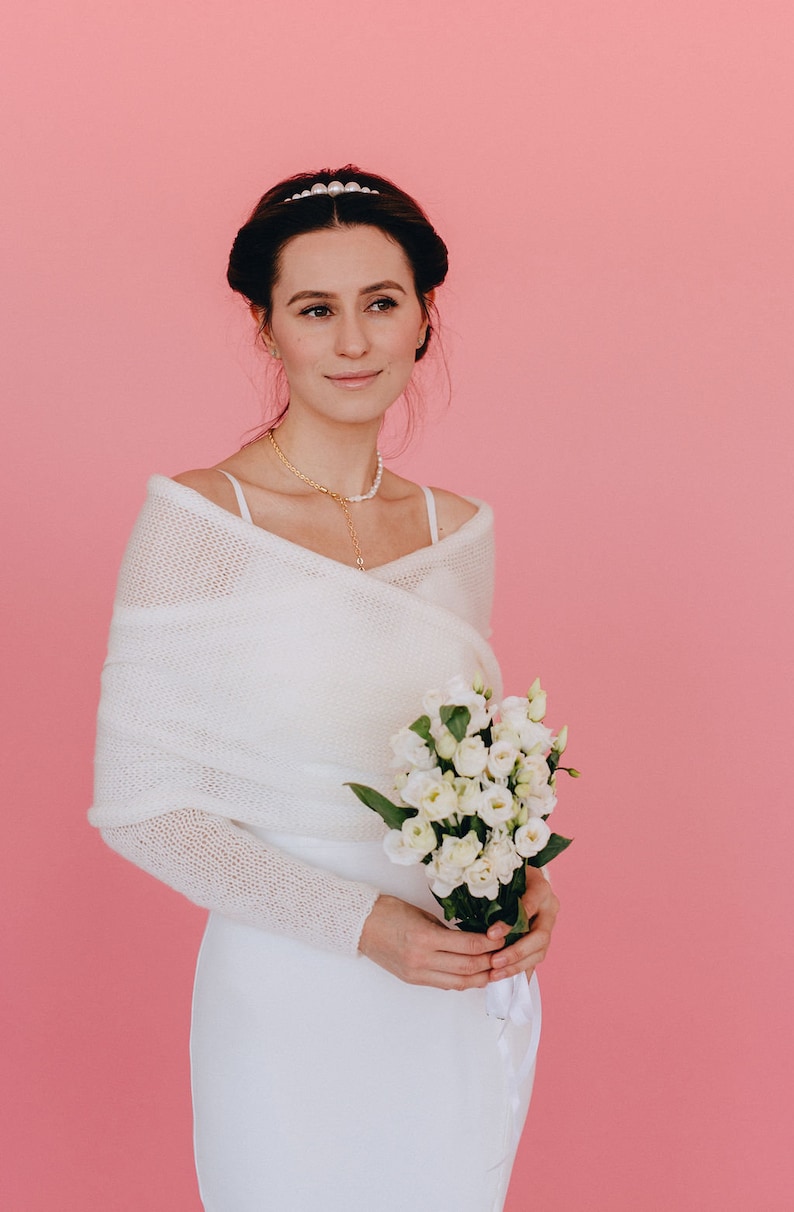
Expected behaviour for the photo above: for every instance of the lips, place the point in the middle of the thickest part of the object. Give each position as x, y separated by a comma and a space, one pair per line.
361, 378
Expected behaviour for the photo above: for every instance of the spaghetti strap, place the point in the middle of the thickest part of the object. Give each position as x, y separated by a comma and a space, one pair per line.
245, 512
432, 516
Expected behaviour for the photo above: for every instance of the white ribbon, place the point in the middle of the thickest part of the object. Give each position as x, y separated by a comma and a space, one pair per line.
517, 1001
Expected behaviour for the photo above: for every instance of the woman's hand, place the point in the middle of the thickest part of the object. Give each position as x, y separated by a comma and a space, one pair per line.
525, 954
419, 949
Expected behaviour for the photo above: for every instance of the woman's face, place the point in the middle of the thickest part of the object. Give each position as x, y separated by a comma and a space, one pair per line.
346, 322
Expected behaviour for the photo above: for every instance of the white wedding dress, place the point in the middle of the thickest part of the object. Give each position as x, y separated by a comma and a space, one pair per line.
319, 1079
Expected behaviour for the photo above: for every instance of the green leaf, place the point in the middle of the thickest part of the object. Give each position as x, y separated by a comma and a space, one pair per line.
421, 727
456, 720
392, 814
520, 925
554, 846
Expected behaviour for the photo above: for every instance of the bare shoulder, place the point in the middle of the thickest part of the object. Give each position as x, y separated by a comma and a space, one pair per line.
211, 484
452, 511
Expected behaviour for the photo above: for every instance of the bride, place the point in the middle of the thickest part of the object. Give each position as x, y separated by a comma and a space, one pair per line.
278, 618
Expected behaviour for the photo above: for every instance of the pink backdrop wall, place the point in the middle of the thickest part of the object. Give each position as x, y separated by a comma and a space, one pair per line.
614, 181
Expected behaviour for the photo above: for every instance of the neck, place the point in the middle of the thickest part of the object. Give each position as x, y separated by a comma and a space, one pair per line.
342, 457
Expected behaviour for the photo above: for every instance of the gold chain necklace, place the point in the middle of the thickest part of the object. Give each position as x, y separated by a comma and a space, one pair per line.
336, 496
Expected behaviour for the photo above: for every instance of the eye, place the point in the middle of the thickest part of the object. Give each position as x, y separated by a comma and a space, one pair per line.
383, 304
318, 310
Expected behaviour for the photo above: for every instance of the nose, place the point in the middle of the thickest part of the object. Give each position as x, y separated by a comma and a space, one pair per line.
351, 336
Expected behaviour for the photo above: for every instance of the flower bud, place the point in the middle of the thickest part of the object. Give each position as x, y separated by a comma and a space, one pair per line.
534, 690
561, 740
537, 706
446, 745
478, 685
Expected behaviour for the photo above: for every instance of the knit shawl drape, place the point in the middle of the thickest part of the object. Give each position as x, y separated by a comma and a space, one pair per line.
251, 678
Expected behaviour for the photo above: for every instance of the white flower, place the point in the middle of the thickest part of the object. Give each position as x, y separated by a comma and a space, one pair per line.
503, 855
496, 805
444, 878
514, 711
398, 851
438, 800
535, 737
417, 783
481, 879
505, 732
410, 750
537, 706
459, 851
501, 759
532, 774
542, 803
471, 757
419, 834
469, 792
530, 839
458, 693
431, 703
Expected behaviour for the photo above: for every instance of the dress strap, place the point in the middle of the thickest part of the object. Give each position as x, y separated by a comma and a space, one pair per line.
432, 516
245, 512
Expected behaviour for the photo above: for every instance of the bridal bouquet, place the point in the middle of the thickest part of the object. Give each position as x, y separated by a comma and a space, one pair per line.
476, 783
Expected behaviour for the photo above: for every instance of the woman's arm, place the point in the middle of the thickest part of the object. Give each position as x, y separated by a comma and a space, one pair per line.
222, 867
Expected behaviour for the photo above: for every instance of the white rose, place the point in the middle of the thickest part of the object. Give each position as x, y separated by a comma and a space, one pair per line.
398, 851
501, 759
460, 851
496, 805
417, 783
469, 793
503, 856
530, 839
535, 737
444, 878
532, 774
438, 800
410, 750
542, 802
471, 757
481, 879
513, 711
458, 693
505, 732
432, 702
419, 834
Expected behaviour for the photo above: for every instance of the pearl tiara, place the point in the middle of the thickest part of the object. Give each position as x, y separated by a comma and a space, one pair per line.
334, 188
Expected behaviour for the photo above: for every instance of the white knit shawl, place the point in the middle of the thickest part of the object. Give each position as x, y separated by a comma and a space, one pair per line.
251, 678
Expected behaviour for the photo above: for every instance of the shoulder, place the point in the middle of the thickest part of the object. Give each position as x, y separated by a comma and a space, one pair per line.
210, 483
453, 511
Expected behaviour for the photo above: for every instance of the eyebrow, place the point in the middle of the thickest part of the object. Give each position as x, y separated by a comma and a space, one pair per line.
327, 294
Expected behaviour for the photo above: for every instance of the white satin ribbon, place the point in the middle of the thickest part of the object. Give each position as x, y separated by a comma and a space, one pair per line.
516, 1001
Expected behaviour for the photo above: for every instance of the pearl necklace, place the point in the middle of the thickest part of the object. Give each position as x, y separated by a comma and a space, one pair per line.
336, 496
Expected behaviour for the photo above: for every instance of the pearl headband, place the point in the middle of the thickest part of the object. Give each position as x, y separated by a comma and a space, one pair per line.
334, 188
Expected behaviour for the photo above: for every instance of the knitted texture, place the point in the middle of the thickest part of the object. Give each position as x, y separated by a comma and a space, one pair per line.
248, 679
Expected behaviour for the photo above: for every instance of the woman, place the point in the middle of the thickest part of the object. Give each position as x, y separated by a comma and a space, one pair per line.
278, 618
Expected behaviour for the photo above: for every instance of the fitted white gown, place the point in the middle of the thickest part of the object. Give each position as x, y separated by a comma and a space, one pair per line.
319, 1079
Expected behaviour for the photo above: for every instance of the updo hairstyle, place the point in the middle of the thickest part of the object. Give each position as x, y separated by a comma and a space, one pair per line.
254, 261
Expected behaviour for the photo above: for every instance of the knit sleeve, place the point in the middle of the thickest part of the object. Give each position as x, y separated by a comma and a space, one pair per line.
223, 867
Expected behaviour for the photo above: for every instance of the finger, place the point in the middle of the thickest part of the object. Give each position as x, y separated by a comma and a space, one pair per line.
531, 949
464, 943
504, 974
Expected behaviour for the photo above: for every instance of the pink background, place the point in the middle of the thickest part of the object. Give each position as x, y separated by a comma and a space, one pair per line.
615, 184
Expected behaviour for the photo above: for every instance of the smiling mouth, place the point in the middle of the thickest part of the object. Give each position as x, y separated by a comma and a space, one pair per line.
358, 379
